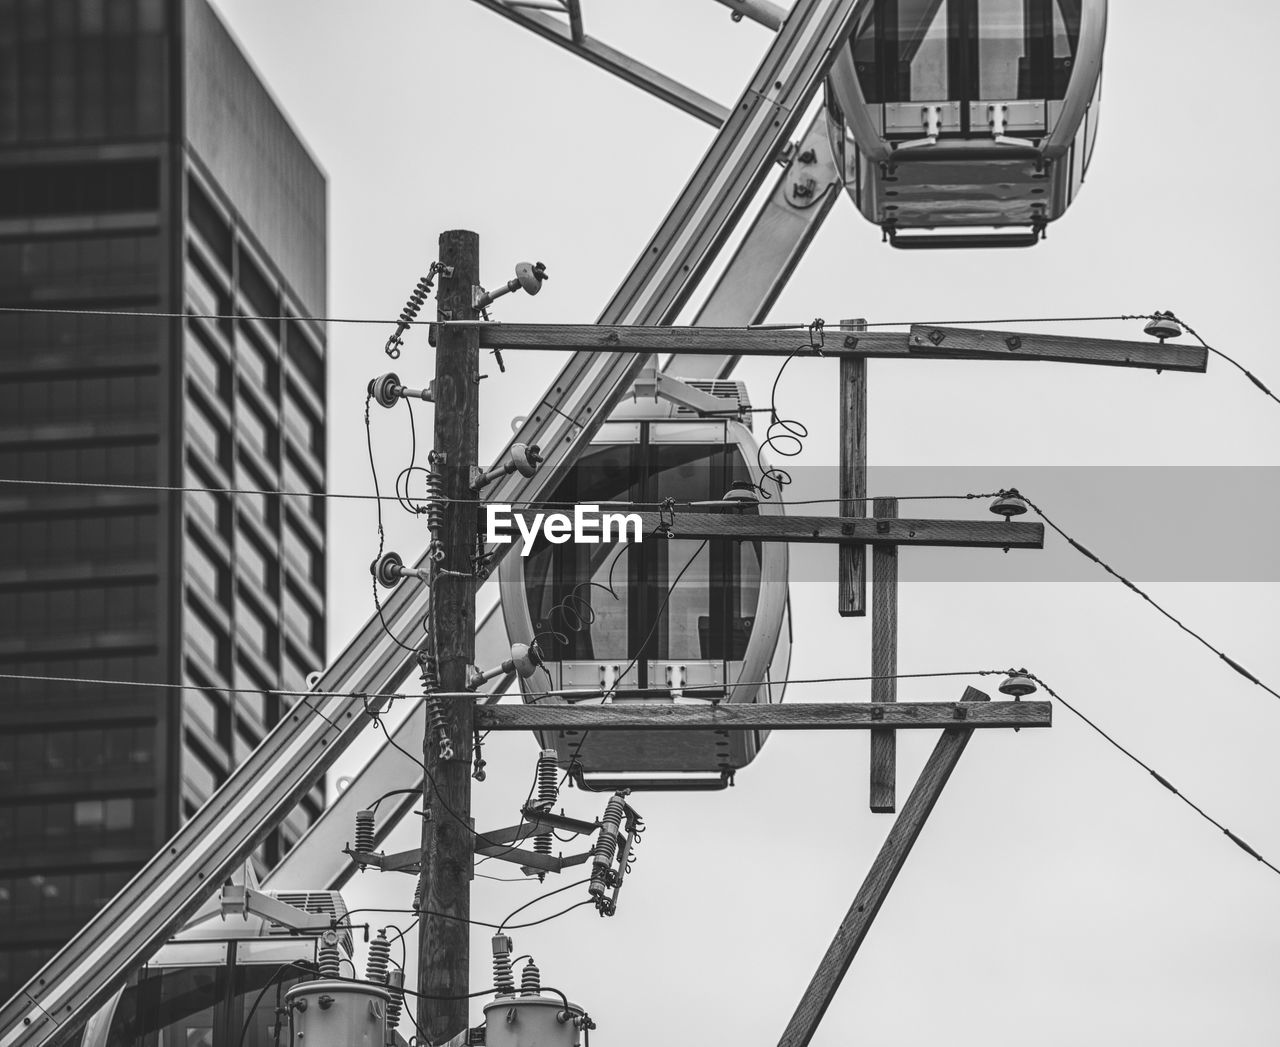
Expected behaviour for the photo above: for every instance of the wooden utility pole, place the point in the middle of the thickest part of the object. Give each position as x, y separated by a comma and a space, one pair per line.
884, 661
884, 870
853, 471
447, 842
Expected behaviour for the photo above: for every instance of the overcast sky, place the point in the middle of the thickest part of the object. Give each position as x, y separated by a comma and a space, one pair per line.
1058, 894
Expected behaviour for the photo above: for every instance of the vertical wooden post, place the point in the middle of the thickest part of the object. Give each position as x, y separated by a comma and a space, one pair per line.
884, 660
853, 471
884, 870
447, 843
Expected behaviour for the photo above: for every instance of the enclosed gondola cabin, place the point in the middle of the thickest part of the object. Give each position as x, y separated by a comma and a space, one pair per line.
666, 619
968, 123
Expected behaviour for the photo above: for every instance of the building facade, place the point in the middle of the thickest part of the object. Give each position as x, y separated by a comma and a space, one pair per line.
144, 169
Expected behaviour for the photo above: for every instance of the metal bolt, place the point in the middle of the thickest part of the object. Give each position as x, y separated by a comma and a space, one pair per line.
804, 188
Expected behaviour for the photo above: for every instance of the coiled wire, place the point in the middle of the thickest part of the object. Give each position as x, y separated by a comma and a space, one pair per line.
784, 437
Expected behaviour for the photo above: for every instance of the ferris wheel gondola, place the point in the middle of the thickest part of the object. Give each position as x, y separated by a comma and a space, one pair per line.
968, 123
665, 619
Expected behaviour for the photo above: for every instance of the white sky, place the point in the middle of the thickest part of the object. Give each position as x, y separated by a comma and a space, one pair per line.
1058, 895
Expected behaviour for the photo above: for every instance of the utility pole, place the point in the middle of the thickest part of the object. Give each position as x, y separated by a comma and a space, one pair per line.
447, 842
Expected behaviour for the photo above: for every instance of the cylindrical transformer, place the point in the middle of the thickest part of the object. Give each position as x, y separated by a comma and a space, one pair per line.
530, 1021
335, 1013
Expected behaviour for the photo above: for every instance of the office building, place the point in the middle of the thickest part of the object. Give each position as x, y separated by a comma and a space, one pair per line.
145, 168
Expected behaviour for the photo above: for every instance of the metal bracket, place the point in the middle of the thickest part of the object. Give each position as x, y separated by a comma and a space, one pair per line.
399, 861
238, 900
658, 385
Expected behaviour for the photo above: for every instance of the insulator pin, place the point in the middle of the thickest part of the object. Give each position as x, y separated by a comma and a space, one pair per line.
395, 1005
329, 960
365, 826
548, 789
504, 982
379, 959
530, 980
606, 845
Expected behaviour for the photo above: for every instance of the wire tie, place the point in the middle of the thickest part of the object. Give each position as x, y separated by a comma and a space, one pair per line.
1239, 668
1241, 844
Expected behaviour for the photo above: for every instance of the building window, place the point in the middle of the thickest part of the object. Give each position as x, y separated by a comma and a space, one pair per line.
258, 566
258, 433
207, 293
206, 636
210, 432
300, 549
305, 620
303, 422
216, 507
206, 362
297, 477
258, 291
304, 355
205, 565
209, 223
257, 633
85, 187
105, 265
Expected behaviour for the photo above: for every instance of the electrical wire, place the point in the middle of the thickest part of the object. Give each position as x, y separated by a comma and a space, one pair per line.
373, 469
1089, 555
406, 474
394, 695
1153, 772
541, 897
1011, 320
401, 932
464, 822
391, 321
784, 437
393, 792
530, 503
1219, 353
489, 925
273, 980
575, 611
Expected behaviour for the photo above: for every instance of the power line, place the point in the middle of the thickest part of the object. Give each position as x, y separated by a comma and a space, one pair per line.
1088, 554
1154, 774
157, 314
1012, 320
395, 695
543, 503
396, 321
465, 823
541, 897
373, 469
1219, 353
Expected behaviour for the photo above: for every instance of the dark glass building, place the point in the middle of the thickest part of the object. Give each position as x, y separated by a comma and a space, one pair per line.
145, 168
